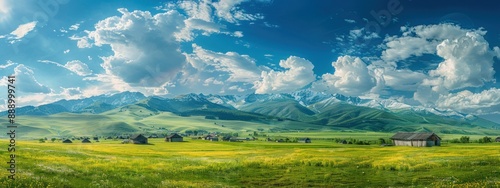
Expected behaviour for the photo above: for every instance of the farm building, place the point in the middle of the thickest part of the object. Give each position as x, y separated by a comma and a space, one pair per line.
304, 140
214, 139
416, 139
67, 141
86, 140
139, 139
209, 137
497, 139
174, 137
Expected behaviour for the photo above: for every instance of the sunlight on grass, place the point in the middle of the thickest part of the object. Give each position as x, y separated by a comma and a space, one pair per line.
200, 163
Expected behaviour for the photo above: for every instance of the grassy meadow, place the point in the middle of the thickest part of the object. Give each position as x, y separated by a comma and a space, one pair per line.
199, 163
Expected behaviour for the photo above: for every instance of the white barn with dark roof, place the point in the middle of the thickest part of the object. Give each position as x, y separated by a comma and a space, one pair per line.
416, 139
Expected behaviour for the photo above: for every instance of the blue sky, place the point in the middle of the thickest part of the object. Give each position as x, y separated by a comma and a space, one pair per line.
423, 53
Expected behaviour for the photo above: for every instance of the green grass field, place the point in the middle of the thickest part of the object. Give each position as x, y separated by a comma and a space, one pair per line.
198, 163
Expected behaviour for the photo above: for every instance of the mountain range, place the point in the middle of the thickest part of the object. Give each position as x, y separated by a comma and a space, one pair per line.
311, 107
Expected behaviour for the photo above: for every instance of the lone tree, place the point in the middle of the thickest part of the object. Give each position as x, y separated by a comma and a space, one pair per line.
53, 139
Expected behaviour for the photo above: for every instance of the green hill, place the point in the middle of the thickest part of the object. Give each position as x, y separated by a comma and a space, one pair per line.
282, 108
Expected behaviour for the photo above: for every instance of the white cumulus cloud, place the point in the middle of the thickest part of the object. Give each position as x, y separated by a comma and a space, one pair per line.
468, 62
351, 77
216, 72
485, 102
146, 52
78, 67
467, 59
240, 68
298, 73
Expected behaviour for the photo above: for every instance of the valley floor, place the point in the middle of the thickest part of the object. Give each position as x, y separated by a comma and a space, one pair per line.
199, 163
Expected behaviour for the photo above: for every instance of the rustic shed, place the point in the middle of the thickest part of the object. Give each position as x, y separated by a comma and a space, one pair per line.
214, 139
304, 140
416, 139
209, 136
86, 140
139, 139
497, 139
174, 137
67, 141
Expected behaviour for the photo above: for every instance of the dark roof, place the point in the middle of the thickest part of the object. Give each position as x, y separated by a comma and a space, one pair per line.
498, 138
174, 135
211, 135
133, 137
412, 136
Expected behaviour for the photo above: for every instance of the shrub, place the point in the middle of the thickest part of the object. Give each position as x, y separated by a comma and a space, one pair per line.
485, 140
381, 140
464, 139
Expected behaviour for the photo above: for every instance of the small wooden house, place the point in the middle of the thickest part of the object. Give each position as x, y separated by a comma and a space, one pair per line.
67, 141
174, 137
497, 139
416, 139
139, 139
304, 140
86, 140
214, 139
343, 142
209, 137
